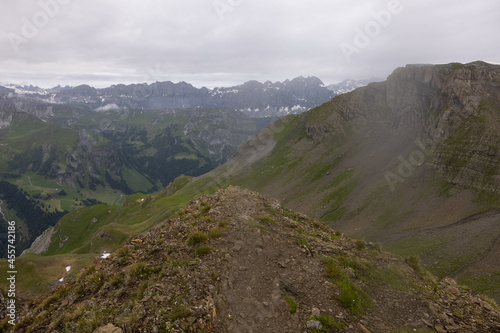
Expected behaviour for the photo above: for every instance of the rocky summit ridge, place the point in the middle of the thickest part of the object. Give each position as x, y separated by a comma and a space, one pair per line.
237, 261
255, 99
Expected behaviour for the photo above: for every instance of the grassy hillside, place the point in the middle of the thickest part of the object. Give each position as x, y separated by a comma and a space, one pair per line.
63, 158
161, 144
47, 170
409, 162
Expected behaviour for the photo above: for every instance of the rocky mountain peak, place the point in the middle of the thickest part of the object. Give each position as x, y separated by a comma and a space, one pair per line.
310, 80
9, 113
239, 261
6, 105
253, 98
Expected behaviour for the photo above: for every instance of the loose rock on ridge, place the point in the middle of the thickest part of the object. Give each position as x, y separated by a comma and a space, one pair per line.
237, 261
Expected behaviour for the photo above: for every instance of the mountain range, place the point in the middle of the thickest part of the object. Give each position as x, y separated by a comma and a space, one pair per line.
253, 98
349, 85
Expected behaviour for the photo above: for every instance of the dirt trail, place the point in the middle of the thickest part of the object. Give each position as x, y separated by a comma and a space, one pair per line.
262, 268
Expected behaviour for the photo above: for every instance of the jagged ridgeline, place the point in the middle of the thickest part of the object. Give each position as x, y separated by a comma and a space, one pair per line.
254, 98
239, 261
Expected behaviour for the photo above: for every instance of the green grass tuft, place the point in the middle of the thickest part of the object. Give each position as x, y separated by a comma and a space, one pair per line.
179, 312
139, 270
293, 305
302, 242
201, 250
414, 262
360, 244
352, 297
215, 233
196, 238
265, 219
329, 324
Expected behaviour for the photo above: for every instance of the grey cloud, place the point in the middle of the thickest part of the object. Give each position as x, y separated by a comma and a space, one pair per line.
105, 42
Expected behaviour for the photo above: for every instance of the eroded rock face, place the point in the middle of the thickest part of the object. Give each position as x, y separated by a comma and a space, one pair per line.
7, 109
41, 243
452, 109
5, 120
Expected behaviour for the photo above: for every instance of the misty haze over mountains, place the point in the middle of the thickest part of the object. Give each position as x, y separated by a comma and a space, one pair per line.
253, 98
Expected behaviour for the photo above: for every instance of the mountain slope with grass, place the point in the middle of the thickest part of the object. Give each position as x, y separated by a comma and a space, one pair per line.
57, 158
47, 170
161, 144
239, 261
412, 162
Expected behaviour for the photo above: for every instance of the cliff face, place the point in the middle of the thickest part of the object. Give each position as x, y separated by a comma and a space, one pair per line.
459, 118
8, 112
453, 110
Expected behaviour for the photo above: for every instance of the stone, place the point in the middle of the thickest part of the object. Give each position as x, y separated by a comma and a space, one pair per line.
109, 328
427, 323
363, 328
314, 324
440, 329
238, 245
259, 244
488, 306
315, 312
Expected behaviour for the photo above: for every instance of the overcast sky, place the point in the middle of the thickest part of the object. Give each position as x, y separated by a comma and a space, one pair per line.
227, 42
